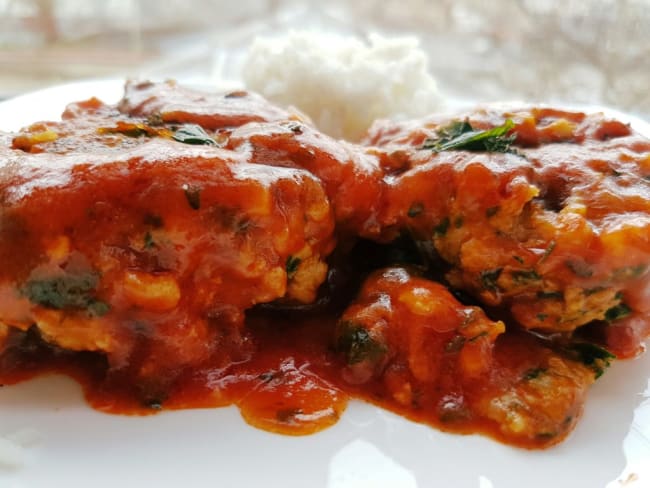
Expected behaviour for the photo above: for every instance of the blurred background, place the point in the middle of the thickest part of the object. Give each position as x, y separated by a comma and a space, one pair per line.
576, 51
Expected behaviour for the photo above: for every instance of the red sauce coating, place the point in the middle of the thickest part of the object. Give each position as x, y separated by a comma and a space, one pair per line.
184, 249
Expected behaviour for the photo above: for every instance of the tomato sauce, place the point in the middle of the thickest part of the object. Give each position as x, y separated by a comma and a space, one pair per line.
186, 250
291, 381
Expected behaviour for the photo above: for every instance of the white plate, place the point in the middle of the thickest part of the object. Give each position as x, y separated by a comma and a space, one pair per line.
50, 437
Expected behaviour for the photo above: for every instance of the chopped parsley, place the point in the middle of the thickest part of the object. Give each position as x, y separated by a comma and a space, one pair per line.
97, 308
148, 241
460, 135
193, 134
70, 291
525, 276
415, 210
489, 278
357, 345
534, 373
291, 266
442, 227
596, 357
618, 312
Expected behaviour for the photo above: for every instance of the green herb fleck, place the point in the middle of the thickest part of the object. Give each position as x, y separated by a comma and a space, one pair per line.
519, 259
193, 134
415, 210
618, 312
193, 196
461, 135
489, 278
453, 130
525, 276
492, 211
542, 317
97, 308
357, 345
455, 344
69, 291
596, 357
292, 265
458, 222
534, 373
148, 241
442, 227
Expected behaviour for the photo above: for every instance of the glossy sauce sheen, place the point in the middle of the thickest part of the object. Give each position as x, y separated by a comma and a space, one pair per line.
292, 384
288, 385
187, 250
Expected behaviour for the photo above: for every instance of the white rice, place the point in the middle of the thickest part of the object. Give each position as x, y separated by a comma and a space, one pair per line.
342, 83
